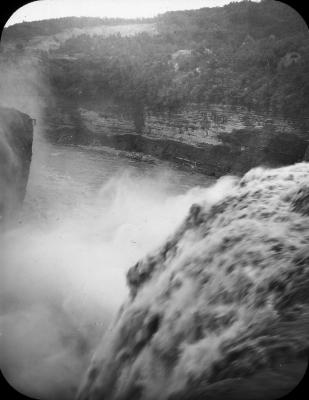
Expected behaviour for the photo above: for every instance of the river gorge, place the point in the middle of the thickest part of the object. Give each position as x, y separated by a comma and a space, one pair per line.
90, 213
154, 205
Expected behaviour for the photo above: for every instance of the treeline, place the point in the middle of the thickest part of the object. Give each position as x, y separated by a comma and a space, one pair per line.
247, 53
23, 32
135, 70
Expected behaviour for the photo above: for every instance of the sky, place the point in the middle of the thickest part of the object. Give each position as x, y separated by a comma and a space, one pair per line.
46, 9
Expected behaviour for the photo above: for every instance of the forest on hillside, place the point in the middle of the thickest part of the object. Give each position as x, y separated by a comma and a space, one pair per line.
245, 53
23, 32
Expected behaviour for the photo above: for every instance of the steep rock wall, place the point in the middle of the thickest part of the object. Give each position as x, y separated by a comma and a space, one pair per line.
16, 136
215, 140
222, 303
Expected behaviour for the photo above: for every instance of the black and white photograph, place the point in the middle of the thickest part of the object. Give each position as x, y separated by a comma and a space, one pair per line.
154, 200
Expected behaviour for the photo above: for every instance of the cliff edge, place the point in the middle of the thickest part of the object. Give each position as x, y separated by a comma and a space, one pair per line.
16, 136
222, 308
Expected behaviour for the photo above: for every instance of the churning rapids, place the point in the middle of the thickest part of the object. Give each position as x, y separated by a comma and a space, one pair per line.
217, 292
88, 216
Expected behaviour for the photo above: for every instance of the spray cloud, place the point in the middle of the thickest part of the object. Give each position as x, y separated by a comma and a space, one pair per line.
64, 266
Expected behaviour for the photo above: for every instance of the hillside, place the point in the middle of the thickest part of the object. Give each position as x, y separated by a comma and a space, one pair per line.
247, 53
97, 77
25, 31
252, 54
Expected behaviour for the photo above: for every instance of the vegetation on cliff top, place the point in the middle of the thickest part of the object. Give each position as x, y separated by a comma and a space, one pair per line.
246, 53
252, 54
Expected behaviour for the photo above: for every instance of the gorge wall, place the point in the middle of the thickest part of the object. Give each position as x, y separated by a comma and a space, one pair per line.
222, 308
215, 140
16, 136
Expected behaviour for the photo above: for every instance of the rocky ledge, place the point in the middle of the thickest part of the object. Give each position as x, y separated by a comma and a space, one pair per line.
16, 135
222, 308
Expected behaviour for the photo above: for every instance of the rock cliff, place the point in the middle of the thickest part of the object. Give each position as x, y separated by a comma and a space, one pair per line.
16, 135
222, 308
215, 140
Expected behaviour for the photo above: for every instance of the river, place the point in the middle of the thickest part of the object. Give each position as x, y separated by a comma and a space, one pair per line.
65, 176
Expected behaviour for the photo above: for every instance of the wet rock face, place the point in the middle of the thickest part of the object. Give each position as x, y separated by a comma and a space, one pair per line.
225, 299
16, 135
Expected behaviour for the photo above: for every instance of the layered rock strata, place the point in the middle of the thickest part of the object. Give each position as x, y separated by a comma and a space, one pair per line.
215, 140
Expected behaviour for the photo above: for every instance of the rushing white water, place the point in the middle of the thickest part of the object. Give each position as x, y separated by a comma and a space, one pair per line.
224, 298
88, 216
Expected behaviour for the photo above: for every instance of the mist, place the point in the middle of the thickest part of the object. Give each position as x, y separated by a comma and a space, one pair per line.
64, 268
23, 85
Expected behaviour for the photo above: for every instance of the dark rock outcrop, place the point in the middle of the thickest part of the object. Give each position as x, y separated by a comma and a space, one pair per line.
222, 306
306, 158
16, 135
264, 147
